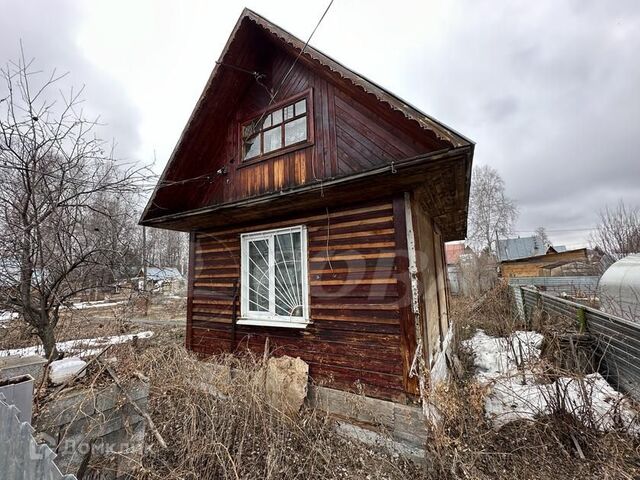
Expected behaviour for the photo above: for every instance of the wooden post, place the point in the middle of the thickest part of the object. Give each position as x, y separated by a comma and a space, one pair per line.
144, 270
407, 325
582, 320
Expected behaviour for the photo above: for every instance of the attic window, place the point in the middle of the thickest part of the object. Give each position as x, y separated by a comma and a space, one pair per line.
282, 127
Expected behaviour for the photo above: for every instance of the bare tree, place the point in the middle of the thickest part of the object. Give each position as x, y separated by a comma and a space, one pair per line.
479, 273
541, 235
167, 248
491, 213
618, 232
63, 199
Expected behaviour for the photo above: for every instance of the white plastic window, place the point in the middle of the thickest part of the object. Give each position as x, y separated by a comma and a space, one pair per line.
274, 278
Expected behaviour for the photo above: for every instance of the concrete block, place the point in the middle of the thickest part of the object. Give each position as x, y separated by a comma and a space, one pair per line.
18, 391
352, 406
15, 366
67, 408
287, 380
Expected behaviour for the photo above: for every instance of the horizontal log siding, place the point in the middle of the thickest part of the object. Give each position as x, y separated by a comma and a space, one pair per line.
354, 340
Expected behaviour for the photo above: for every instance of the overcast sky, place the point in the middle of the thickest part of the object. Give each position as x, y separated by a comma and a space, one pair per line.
549, 90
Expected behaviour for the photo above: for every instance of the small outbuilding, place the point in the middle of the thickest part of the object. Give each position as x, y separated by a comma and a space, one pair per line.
162, 279
318, 204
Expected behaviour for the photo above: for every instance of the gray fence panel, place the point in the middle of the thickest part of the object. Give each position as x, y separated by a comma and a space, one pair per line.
586, 285
618, 339
20, 456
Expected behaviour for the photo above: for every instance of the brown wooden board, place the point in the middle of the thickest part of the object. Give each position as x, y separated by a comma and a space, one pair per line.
355, 339
407, 325
351, 129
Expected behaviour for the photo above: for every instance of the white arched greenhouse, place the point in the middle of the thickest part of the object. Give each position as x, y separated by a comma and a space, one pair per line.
619, 288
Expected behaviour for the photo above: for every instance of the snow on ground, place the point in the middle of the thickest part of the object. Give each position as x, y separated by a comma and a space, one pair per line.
506, 366
5, 316
497, 356
96, 304
82, 347
62, 370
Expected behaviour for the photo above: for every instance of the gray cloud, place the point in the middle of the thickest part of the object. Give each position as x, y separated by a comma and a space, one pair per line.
48, 31
548, 90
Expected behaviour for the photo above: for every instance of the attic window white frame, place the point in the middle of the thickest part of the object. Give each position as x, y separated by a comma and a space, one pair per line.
270, 318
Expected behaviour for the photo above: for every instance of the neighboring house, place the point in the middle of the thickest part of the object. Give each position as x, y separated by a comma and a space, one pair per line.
546, 265
469, 274
453, 252
316, 218
524, 247
164, 279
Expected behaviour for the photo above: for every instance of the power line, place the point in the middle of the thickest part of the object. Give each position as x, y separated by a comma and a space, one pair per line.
304, 48
258, 77
580, 229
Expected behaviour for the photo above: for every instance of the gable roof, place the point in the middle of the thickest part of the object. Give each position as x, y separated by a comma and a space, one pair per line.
427, 122
215, 101
516, 248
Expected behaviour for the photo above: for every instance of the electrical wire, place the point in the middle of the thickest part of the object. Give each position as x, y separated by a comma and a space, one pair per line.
273, 93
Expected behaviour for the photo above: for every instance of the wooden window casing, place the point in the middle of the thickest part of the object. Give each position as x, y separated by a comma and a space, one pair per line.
261, 115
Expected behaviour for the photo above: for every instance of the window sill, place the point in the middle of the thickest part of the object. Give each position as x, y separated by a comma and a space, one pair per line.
272, 323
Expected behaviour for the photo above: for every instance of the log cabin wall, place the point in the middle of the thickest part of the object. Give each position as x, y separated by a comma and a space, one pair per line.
357, 338
350, 132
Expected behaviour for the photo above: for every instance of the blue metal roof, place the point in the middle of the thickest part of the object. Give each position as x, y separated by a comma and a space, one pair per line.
167, 273
516, 248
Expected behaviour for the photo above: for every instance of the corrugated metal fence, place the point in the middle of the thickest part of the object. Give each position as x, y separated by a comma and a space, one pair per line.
617, 339
21, 458
587, 285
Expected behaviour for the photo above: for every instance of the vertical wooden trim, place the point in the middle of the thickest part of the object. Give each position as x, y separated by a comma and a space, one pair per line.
403, 277
441, 283
331, 133
416, 213
191, 277
447, 287
437, 275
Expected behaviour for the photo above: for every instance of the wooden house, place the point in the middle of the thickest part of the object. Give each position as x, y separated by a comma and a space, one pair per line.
317, 204
545, 265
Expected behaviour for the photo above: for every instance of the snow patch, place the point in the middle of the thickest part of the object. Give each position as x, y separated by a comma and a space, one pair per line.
498, 356
97, 304
506, 367
82, 347
62, 370
6, 315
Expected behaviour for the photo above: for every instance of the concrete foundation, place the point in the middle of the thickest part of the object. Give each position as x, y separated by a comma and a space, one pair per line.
396, 427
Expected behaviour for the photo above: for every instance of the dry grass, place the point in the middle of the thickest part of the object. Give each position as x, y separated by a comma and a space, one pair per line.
234, 433
101, 321
546, 448
221, 426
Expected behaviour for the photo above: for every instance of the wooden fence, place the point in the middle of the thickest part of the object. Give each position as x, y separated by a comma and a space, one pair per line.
617, 339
